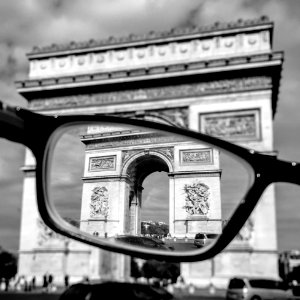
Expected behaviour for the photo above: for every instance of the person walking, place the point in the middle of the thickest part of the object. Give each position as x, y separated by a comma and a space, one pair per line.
66, 280
45, 282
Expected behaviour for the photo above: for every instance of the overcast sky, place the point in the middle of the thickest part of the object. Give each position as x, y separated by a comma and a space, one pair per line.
27, 23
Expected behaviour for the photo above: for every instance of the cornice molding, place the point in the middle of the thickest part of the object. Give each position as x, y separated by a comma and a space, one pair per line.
151, 37
217, 65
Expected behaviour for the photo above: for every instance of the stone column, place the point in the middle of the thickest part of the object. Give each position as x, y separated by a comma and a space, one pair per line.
133, 214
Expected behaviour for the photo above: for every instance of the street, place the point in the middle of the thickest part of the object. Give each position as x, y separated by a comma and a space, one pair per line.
178, 295
181, 244
55, 296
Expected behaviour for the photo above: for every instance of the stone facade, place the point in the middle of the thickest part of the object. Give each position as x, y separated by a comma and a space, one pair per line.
115, 181
222, 81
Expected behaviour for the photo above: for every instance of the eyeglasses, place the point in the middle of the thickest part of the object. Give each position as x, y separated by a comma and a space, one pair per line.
91, 171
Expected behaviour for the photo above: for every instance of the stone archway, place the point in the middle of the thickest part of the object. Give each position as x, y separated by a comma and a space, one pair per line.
140, 167
129, 157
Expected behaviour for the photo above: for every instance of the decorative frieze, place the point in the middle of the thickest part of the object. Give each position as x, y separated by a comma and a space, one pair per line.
233, 125
102, 163
168, 152
130, 140
196, 156
174, 116
196, 199
156, 93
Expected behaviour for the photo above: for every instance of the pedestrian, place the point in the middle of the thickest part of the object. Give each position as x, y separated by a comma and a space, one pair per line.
50, 281
212, 289
86, 279
170, 288
66, 281
33, 280
45, 282
6, 280
25, 285
2, 285
22, 283
191, 288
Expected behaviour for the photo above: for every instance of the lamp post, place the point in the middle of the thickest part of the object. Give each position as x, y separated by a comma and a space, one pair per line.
105, 226
65, 256
105, 213
212, 289
186, 231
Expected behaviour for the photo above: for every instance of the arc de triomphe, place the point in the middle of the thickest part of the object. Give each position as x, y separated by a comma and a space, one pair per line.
200, 78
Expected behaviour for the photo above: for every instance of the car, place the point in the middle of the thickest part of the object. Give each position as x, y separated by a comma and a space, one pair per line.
143, 241
200, 240
257, 289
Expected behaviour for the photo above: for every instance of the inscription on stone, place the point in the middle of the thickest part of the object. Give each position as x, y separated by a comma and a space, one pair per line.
197, 156
235, 125
102, 163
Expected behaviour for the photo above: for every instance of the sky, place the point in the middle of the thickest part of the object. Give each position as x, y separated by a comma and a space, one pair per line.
29, 23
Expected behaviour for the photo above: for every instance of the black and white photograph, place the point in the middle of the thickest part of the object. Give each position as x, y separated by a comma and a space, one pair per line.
149, 149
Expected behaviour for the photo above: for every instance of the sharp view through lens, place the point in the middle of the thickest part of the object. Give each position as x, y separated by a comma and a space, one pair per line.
144, 187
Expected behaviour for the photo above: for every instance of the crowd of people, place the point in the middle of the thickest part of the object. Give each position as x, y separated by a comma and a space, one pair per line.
29, 284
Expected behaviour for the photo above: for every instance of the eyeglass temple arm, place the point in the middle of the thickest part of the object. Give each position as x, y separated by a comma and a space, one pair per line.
11, 125
285, 171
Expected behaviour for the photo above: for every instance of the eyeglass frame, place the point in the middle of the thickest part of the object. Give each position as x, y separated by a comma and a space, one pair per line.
23, 126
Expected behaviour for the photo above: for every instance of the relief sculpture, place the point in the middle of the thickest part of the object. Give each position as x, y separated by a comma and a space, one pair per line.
233, 125
99, 202
102, 163
46, 234
196, 198
246, 232
196, 156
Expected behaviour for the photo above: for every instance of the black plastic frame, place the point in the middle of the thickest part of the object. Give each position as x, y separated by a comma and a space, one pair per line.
36, 132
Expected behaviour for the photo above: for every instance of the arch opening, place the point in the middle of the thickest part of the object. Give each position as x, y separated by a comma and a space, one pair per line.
148, 195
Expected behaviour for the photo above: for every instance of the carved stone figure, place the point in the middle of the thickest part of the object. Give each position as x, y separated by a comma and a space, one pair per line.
196, 199
99, 202
242, 125
46, 234
246, 232
102, 163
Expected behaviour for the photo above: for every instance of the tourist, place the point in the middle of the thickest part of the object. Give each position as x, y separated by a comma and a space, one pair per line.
50, 282
45, 283
66, 281
33, 284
